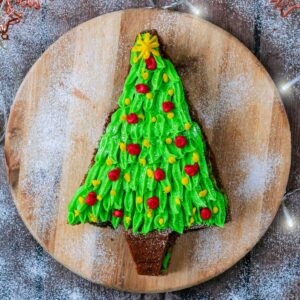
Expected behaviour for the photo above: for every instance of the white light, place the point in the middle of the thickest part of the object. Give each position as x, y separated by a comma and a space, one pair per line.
289, 221
285, 87
195, 10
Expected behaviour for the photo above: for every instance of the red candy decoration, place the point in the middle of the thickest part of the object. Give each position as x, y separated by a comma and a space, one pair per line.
205, 213
180, 141
91, 199
167, 106
118, 213
191, 170
134, 149
150, 63
159, 174
132, 118
114, 174
142, 88
153, 202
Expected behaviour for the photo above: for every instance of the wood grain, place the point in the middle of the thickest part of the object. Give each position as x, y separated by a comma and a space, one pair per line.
96, 54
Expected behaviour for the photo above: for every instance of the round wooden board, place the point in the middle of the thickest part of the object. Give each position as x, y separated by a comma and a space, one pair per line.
58, 116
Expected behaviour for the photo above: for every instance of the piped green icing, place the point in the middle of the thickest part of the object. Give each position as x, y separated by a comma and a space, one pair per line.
179, 204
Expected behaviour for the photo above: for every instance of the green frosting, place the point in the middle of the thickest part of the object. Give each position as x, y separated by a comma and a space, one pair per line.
179, 204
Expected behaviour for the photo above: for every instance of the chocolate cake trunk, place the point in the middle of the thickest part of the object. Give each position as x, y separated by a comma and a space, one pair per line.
148, 250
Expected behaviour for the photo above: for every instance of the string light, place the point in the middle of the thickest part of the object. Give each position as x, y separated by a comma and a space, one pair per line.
289, 220
285, 87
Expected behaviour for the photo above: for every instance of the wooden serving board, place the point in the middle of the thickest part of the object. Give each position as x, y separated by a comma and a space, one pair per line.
58, 116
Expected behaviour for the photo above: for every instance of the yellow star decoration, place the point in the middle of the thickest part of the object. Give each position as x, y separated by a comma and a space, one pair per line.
76, 212
127, 219
161, 221
81, 200
146, 47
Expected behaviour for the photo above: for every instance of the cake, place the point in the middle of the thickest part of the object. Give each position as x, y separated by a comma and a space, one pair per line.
151, 172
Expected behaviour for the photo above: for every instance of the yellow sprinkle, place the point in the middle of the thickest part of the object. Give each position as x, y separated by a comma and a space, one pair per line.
141, 116
145, 75
93, 218
165, 77
99, 197
168, 141
146, 143
122, 146
81, 200
187, 126
109, 161
127, 219
184, 180
149, 96
170, 115
171, 159
135, 59
139, 200
215, 210
113, 193
76, 212
177, 200
170, 92
123, 117
195, 157
167, 189
192, 220
203, 193
127, 101
161, 221
149, 213
194, 210
153, 119
96, 182
143, 161
127, 177
150, 173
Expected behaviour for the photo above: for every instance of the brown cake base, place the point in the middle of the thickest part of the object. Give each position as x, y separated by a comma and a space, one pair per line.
148, 251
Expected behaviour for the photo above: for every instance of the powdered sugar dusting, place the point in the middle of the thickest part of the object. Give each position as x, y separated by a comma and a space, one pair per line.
233, 96
259, 174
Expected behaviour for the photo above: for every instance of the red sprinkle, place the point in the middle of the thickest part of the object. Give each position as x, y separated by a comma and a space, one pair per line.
205, 213
132, 118
150, 63
180, 141
159, 174
133, 149
118, 213
114, 174
167, 106
91, 199
142, 88
153, 202
191, 170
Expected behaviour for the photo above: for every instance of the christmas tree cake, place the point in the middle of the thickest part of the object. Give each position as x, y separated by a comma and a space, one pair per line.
150, 171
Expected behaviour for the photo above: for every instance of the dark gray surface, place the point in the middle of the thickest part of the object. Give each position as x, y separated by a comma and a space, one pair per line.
269, 271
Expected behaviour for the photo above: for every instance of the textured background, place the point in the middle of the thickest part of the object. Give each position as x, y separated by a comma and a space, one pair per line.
270, 270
